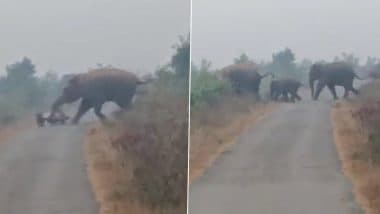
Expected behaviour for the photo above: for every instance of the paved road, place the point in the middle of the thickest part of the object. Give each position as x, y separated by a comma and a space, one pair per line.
43, 171
286, 164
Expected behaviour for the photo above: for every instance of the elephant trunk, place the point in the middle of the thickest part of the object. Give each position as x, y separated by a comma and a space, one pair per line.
311, 84
57, 104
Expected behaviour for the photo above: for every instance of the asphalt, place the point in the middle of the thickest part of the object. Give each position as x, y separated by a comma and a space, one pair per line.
286, 164
43, 171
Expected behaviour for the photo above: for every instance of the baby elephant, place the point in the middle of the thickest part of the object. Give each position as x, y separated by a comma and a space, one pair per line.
284, 87
52, 119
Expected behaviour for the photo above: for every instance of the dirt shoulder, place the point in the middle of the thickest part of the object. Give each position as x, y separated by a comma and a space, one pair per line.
210, 140
11, 130
354, 152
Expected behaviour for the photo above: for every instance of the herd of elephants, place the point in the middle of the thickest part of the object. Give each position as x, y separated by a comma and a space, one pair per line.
246, 78
97, 87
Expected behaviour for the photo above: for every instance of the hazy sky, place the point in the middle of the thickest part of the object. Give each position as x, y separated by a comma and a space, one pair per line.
318, 29
73, 35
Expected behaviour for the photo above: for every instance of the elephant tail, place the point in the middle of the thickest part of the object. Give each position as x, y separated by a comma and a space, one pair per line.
268, 74
142, 82
357, 77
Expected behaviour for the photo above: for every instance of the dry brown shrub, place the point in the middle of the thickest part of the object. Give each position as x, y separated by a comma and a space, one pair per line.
142, 157
153, 137
355, 124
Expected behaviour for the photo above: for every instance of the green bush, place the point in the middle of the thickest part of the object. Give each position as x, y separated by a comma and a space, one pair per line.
22, 92
206, 88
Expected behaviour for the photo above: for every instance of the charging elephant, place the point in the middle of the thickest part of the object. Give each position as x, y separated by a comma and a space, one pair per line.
96, 87
331, 75
284, 87
244, 77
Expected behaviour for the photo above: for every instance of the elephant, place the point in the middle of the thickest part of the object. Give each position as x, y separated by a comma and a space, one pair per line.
284, 87
332, 74
96, 87
244, 77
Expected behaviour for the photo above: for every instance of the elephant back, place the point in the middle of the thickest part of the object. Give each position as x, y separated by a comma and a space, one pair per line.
241, 72
103, 76
106, 81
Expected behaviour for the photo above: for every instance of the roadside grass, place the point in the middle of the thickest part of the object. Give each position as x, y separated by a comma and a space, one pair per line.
370, 91
215, 127
357, 137
138, 164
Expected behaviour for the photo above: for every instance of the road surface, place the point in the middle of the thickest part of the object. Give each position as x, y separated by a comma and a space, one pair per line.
285, 164
43, 171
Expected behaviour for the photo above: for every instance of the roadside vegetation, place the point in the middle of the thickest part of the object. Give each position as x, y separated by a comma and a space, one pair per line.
22, 92
357, 137
138, 163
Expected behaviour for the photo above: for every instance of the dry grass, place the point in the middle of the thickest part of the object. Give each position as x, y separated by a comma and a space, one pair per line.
355, 154
370, 91
110, 177
215, 129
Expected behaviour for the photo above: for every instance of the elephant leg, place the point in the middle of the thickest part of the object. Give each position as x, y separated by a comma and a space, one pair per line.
285, 96
332, 90
297, 96
356, 92
293, 97
346, 92
238, 90
275, 96
98, 111
320, 86
83, 108
272, 94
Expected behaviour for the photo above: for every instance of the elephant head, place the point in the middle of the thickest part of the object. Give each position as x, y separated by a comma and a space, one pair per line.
71, 93
314, 74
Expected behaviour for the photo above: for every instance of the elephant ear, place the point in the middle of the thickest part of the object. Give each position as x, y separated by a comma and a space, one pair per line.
316, 67
74, 81
71, 87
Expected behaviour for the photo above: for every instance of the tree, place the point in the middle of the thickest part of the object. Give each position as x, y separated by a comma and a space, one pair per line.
205, 65
348, 58
243, 58
180, 61
304, 65
20, 71
371, 62
285, 57
283, 63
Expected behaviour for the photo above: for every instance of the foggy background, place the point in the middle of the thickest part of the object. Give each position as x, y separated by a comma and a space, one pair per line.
222, 29
72, 35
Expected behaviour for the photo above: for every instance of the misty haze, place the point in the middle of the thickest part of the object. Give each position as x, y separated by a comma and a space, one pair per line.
312, 29
71, 36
